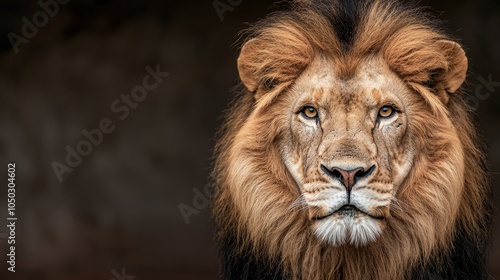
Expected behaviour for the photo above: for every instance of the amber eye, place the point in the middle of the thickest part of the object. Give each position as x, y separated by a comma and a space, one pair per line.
386, 112
309, 112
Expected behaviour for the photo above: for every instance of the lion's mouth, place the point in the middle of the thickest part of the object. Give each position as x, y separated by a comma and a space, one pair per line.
347, 210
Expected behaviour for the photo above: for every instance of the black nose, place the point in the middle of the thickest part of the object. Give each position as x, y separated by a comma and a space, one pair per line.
348, 178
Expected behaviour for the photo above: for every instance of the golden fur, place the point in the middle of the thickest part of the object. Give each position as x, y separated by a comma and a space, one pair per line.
443, 190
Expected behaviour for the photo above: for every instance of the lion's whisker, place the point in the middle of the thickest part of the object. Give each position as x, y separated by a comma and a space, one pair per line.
397, 204
298, 204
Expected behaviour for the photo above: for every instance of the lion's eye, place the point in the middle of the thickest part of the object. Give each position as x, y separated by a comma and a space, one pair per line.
386, 112
310, 112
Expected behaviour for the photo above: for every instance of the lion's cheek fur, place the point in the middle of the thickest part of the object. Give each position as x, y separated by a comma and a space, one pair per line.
248, 182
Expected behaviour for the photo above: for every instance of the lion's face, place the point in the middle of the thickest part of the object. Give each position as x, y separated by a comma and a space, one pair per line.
348, 148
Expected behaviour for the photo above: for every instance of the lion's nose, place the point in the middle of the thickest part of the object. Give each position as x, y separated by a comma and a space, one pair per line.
348, 178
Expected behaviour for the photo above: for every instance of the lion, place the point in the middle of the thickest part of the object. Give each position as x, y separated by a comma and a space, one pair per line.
350, 151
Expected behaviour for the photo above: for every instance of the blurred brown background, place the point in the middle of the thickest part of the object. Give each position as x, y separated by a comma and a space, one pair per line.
117, 213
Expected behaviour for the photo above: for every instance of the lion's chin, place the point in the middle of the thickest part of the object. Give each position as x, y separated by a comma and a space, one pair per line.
356, 230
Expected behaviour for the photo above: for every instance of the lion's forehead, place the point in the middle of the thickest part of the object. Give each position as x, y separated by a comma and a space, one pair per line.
372, 83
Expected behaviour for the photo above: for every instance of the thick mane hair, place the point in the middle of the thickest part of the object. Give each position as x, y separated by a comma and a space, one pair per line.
260, 238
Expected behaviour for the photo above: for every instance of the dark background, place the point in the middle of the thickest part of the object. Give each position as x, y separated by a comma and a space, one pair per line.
119, 208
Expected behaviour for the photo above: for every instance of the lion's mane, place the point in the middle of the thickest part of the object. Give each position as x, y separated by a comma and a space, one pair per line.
258, 235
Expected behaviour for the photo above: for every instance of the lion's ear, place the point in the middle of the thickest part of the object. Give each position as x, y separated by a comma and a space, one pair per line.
261, 67
440, 66
247, 66
454, 76
267, 62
